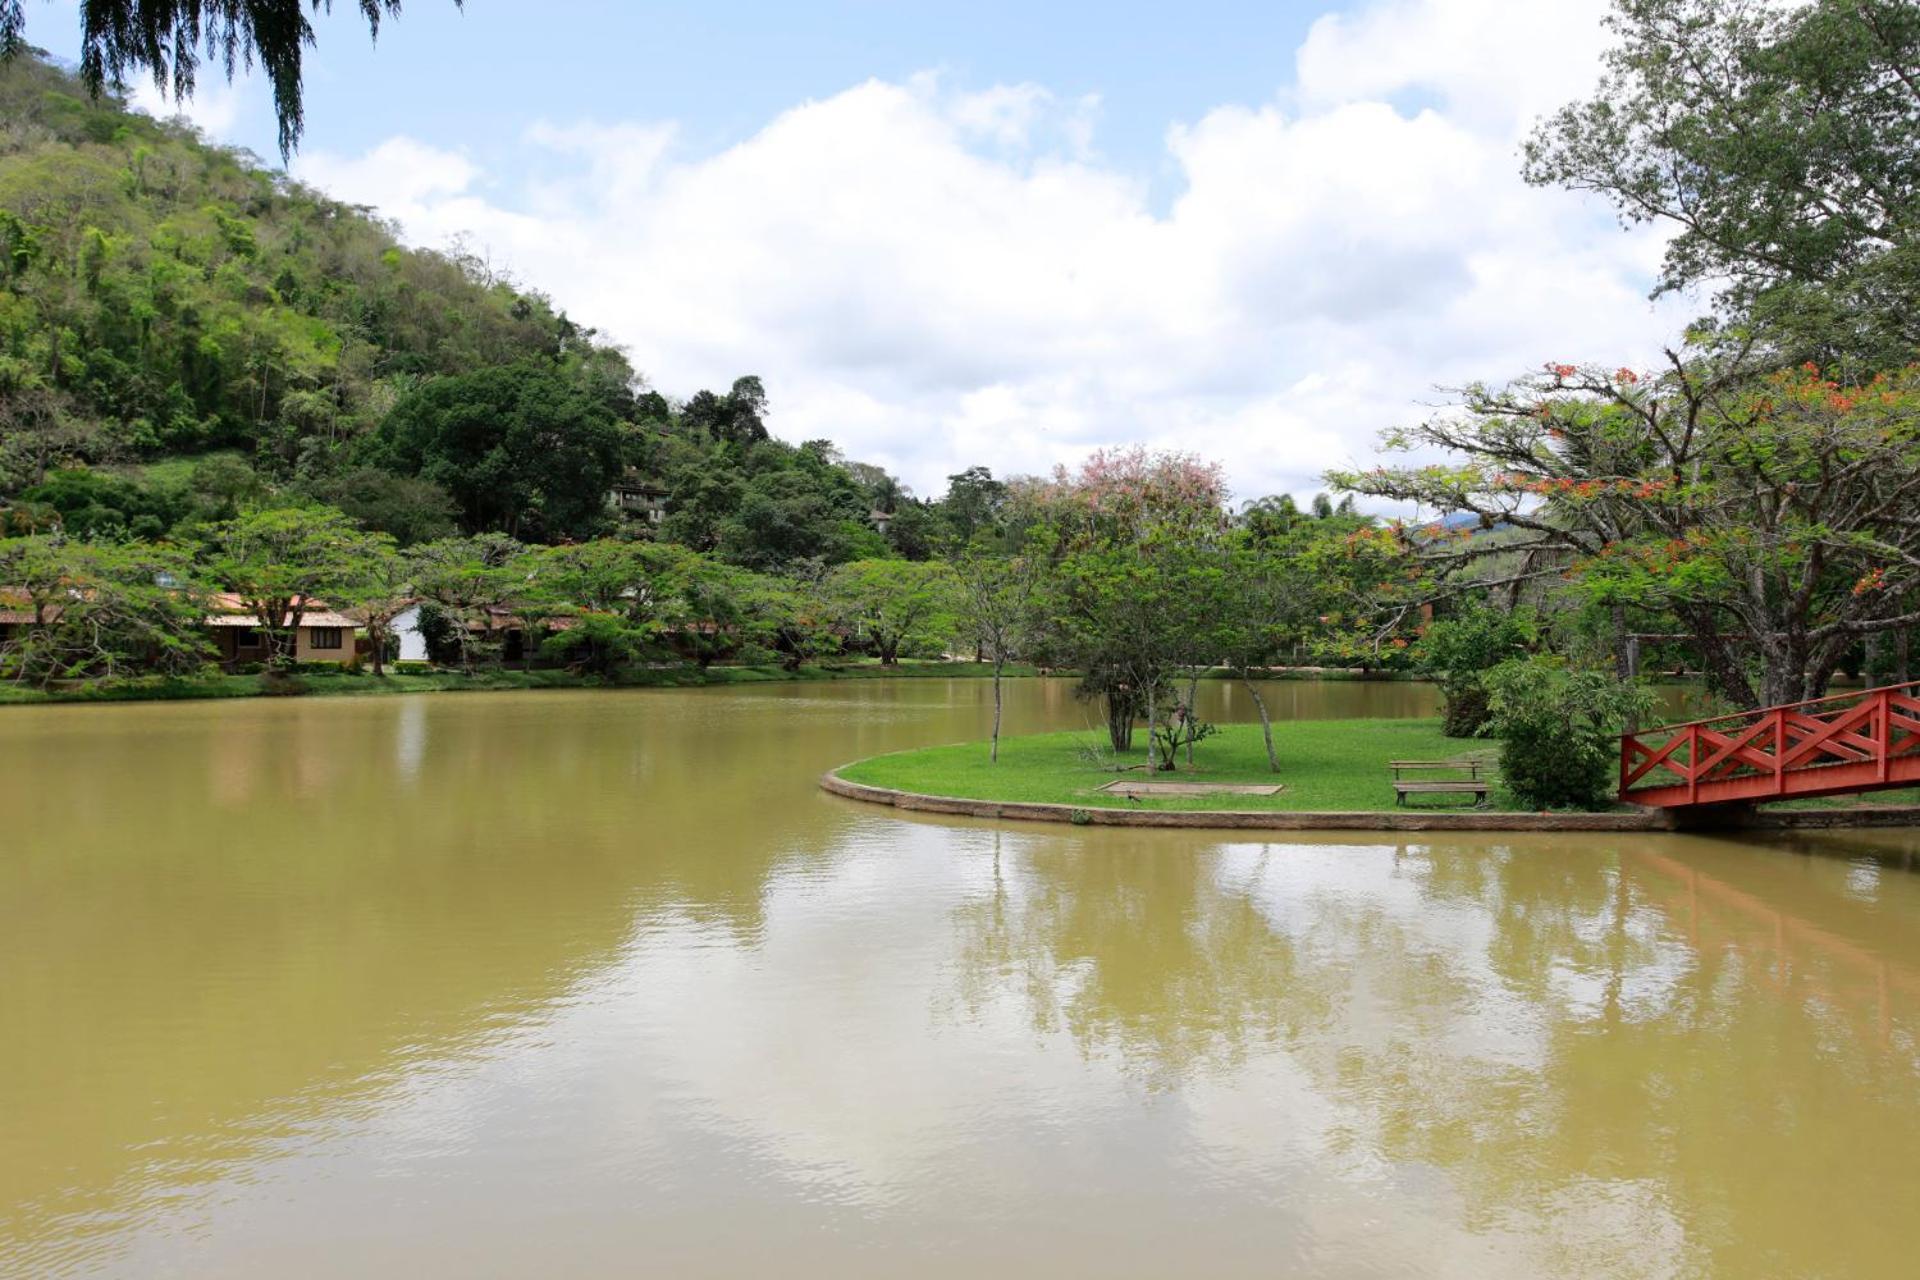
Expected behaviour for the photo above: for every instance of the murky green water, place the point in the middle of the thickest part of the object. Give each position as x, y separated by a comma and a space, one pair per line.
600, 985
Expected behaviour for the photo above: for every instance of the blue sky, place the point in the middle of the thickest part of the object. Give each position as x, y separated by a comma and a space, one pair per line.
1002, 233
464, 76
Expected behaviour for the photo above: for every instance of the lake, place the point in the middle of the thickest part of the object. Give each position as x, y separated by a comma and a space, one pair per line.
599, 984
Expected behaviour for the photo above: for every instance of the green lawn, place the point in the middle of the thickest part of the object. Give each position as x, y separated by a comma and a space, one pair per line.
1324, 765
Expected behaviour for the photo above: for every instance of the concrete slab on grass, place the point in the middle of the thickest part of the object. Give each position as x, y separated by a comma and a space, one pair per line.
1126, 788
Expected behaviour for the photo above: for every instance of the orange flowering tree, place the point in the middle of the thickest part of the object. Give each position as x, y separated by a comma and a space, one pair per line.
1775, 515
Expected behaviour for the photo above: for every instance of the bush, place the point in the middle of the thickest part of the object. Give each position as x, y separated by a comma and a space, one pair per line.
1458, 652
1466, 712
1558, 729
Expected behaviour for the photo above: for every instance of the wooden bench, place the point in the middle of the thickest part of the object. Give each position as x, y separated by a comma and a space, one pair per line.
1474, 784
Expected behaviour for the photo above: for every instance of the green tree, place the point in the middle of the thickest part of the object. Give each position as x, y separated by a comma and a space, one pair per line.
411, 509
996, 594
1559, 730
1132, 614
283, 561
1782, 145
634, 592
523, 450
727, 609
471, 582
973, 505
1131, 540
893, 605
1457, 652
92, 504
380, 590
102, 610
737, 417
1767, 514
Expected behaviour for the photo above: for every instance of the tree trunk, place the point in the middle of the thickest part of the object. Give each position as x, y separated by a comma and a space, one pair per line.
1153, 726
1900, 637
377, 646
1722, 669
1193, 701
1266, 725
1121, 709
993, 755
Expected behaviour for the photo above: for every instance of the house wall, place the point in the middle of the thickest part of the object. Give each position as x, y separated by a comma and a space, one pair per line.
304, 651
406, 630
232, 653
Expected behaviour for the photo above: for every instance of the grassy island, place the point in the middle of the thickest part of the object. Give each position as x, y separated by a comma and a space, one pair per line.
1325, 765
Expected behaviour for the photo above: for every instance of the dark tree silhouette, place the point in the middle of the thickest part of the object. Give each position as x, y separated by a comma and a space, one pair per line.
169, 37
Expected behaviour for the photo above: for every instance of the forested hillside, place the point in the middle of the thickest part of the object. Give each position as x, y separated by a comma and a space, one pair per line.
184, 332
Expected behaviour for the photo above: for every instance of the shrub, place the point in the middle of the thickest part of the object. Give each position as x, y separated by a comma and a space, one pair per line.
1558, 728
1458, 652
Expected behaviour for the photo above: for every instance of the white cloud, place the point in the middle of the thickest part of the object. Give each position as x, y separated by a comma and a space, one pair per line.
1498, 63
936, 279
215, 106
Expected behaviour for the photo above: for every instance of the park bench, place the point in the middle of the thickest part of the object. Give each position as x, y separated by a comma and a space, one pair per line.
1475, 784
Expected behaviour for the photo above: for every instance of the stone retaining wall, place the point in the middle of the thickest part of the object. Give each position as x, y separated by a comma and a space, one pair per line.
1383, 819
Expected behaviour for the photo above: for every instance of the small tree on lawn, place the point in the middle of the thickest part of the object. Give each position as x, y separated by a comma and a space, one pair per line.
997, 594
1132, 612
1130, 575
1267, 598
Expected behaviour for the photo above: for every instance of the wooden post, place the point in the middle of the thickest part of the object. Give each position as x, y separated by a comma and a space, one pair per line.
1693, 764
1883, 731
1780, 751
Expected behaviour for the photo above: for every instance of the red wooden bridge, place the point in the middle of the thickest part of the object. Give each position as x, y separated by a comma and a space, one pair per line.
1865, 741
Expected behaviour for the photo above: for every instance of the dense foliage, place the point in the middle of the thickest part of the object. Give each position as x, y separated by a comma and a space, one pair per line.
1559, 730
1459, 651
1751, 499
1781, 143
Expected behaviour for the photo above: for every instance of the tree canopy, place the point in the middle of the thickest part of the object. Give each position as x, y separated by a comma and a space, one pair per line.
1782, 144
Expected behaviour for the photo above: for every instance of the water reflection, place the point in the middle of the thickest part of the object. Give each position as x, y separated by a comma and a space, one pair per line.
598, 984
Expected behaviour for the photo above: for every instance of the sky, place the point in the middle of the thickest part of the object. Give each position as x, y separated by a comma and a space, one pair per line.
1001, 234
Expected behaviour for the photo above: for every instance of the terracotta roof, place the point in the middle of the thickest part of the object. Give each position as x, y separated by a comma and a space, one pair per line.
232, 612
312, 618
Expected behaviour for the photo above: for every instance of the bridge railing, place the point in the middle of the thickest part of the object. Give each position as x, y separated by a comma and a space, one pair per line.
1866, 726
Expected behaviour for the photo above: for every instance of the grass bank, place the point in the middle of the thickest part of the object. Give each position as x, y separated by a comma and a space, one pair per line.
329, 683
1325, 765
